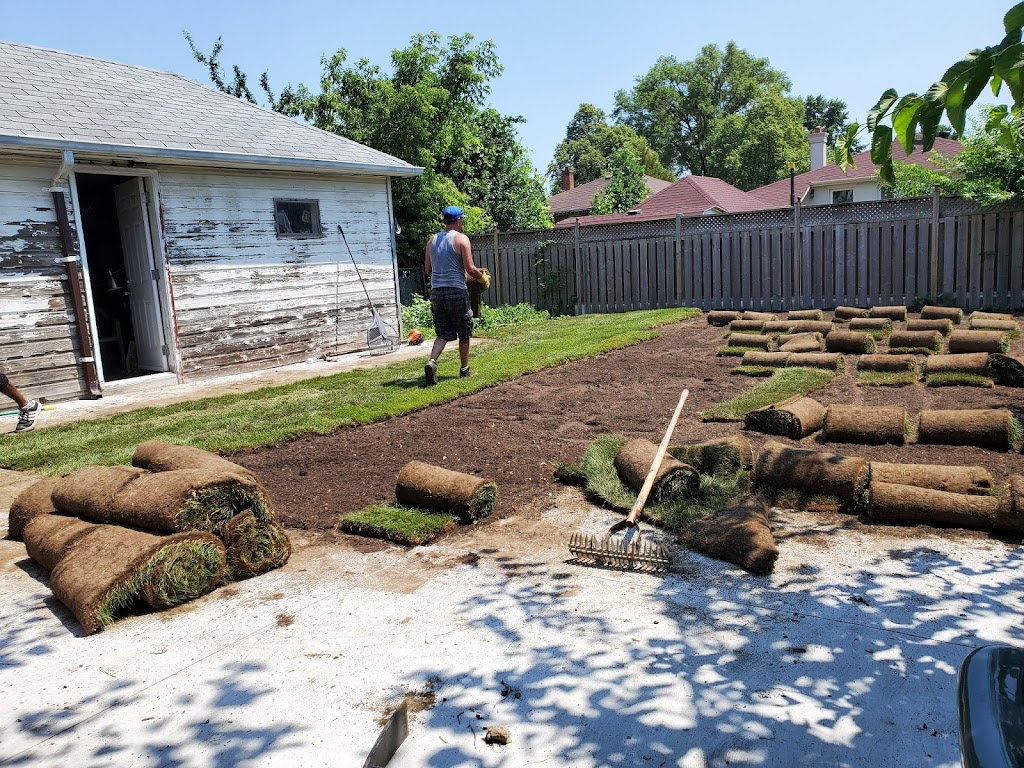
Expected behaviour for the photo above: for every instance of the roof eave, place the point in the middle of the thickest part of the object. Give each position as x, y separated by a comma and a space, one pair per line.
87, 150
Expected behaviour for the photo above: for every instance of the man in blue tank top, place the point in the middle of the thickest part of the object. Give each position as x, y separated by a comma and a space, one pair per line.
449, 260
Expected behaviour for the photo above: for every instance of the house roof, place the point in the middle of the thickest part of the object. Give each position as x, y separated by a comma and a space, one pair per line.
578, 198
53, 100
690, 196
776, 194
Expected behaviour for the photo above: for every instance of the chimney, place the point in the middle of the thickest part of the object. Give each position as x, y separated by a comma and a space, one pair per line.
819, 154
568, 179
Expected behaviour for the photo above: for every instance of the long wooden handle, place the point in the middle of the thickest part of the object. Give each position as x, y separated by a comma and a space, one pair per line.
656, 465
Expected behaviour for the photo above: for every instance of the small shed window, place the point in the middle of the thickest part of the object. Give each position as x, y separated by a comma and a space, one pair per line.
297, 218
842, 196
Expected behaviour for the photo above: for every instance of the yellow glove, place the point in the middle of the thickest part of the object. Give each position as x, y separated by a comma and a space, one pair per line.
484, 280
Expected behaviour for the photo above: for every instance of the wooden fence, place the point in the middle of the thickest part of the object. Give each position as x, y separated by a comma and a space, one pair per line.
902, 251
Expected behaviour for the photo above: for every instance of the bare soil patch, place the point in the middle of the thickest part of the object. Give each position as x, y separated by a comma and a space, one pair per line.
516, 432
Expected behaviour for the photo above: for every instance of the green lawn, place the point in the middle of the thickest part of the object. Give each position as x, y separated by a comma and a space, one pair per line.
319, 406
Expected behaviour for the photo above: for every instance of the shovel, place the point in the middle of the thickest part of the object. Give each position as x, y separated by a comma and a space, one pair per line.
627, 551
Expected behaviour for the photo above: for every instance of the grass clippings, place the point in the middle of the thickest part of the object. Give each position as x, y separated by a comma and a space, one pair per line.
402, 525
782, 385
886, 378
957, 379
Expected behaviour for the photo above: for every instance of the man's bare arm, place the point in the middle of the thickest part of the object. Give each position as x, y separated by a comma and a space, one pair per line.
467, 257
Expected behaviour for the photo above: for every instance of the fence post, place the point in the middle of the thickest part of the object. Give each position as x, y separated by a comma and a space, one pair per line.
497, 271
679, 259
933, 247
580, 308
798, 255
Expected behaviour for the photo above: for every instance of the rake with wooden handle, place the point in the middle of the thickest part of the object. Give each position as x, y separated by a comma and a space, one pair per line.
628, 551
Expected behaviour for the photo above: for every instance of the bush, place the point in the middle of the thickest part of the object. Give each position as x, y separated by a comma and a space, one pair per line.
417, 315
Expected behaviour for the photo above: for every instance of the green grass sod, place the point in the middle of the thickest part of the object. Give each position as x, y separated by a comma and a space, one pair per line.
402, 525
784, 383
886, 378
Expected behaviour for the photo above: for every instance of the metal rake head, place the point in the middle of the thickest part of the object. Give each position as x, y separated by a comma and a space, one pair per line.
635, 555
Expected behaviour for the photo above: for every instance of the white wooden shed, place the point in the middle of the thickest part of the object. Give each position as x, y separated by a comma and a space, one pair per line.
153, 225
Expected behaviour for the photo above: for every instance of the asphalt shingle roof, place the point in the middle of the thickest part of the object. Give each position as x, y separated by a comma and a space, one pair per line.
579, 198
58, 100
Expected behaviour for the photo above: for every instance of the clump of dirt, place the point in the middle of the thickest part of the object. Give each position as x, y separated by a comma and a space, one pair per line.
285, 619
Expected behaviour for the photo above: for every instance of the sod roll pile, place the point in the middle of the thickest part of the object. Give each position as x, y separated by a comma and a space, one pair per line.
865, 425
975, 363
845, 478
802, 342
978, 341
720, 456
893, 313
254, 547
172, 501
112, 567
738, 533
776, 326
751, 315
888, 363
851, 343
811, 326
955, 315
844, 314
829, 361
805, 314
674, 480
746, 326
1008, 370
794, 418
721, 317
878, 327
49, 538
469, 497
975, 481
755, 340
943, 326
28, 505
985, 428
765, 359
159, 456
910, 505
923, 342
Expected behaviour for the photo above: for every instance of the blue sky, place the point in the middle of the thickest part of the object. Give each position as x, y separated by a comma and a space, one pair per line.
556, 54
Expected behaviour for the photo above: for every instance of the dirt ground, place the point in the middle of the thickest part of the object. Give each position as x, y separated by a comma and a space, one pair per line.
516, 432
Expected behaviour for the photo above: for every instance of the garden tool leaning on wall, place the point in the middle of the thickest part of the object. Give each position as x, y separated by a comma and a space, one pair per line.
628, 551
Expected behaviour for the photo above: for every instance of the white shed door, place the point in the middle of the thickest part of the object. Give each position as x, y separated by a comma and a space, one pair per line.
140, 269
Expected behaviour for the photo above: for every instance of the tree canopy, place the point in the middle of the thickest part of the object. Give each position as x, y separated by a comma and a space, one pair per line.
625, 189
429, 110
831, 114
590, 143
692, 114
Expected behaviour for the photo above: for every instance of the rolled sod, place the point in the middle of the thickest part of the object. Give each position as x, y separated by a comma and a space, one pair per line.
908, 504
752, 370
957, 379
777, 326
738, 533
879, 327
720, 317
254, 547
751, 315
979, 315
28, 505
168, 502
803, 342
756, 340
720, 456
851, 343
830, 361
993, 428
1007, 326
955, 315
888, 363
746, 326
805, 314
975, 481
844, 314
1012, 510
766, 359
159, 456
794, 418
943, 326
1008, 370
49, 538
865, 425
469, 497
975, 363
812, 326
732, 351
844, 478
893, 313
674, 480
978, 341
925, 342
113, 566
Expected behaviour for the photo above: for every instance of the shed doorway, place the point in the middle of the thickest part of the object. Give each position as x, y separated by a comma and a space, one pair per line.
122, 275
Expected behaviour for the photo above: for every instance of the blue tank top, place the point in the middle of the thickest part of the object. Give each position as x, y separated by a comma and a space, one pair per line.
446, 269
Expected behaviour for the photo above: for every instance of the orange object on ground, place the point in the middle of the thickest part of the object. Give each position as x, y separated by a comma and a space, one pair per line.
415, 337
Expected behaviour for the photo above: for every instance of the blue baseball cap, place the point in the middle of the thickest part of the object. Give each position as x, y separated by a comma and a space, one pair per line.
453, 212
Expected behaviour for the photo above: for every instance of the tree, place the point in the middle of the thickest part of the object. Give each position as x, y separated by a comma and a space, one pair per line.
626, 188
430, 111
589, 144
953, 95
679, 106
831, 114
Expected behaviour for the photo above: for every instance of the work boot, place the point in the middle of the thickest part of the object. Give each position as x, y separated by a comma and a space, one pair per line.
465, 373
27, 417
430, 373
